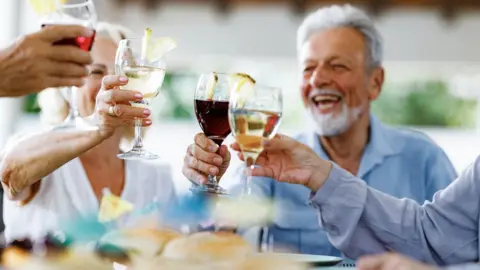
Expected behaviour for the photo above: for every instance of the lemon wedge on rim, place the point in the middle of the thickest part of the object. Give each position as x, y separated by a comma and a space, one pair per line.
42, 7
160, 47
156, 49
243, 86
210, 87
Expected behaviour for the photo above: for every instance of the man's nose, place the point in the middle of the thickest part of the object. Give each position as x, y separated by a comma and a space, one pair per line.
321, 78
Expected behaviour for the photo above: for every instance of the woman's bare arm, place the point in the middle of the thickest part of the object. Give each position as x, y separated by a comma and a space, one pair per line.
30, 158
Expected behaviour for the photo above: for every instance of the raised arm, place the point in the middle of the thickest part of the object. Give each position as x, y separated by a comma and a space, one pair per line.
360, 220
27, 160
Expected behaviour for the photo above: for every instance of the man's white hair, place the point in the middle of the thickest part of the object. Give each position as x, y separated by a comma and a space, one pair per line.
344, 16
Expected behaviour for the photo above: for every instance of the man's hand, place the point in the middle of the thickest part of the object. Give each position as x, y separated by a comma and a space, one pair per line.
390, 261
34, 63
287, 160
204, 157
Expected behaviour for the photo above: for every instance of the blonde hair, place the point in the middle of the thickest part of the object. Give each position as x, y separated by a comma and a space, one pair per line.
54, 107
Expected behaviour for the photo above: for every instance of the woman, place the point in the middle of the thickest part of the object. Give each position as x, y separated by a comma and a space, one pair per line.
51, 177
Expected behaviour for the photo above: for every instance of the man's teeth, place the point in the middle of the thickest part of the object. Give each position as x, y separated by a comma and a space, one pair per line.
322, 98
326, 106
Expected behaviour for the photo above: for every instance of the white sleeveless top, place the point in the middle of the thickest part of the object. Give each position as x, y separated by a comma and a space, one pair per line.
66, 194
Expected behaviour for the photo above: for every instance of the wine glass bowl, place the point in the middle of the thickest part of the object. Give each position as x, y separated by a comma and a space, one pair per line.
211, 103
146, 75
254, 114
73, 12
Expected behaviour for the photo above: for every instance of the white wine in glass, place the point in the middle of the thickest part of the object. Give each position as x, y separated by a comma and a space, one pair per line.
251, 127
141, 61
146, 80
254, 115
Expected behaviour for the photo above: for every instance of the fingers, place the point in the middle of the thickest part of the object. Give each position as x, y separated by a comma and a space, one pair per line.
194, 176
110, 82
145, 122
224, 154
200, 166
66, 69
205, 143
71, 54
261, 171
203, 161
52, 33
280, 142
235, 146
123, 111
119, 96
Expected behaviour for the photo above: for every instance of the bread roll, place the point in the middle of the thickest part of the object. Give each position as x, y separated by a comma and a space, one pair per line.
208, 247
142, 242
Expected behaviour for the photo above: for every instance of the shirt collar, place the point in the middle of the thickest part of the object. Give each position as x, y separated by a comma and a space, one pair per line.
378, 148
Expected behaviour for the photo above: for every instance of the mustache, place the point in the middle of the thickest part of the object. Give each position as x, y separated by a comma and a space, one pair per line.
316, 92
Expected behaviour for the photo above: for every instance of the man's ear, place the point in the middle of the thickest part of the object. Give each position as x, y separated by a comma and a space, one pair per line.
377, 78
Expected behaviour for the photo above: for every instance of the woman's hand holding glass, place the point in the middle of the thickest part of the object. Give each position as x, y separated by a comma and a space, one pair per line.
204, 158
113, 107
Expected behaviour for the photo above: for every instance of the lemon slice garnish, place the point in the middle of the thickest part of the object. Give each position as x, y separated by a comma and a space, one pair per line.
243, 86
112, 207
159, 47
42, 7
210, 87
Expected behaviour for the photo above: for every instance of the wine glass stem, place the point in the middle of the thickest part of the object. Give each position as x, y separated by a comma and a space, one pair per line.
138, 142
73, 102
211, 180
247, 189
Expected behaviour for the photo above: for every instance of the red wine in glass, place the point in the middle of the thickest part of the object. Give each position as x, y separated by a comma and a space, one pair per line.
213, 119
84, 43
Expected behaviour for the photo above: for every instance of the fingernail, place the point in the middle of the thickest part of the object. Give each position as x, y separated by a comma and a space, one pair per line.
213, 148
123, 79
217, 161
146, 112
213, 170
148, 122
139, 96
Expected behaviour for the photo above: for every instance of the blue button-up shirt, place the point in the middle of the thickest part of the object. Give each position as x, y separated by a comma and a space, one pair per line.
361, 220
400, 162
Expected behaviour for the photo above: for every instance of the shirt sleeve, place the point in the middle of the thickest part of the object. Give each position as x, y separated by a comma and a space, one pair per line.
360, 220
440, 173
469, 266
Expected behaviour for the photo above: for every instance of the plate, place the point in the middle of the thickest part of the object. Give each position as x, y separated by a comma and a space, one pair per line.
312, 260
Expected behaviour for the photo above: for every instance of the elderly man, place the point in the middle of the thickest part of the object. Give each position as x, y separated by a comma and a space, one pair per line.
340, 53
34, 63
361, 220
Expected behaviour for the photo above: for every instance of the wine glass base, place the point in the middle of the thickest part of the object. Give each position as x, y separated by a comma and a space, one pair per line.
138, 154
209, 189
76, 124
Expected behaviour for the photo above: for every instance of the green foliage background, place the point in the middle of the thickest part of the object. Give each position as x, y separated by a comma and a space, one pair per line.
424, 103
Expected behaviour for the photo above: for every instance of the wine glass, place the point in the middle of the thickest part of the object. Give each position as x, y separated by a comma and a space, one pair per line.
254, 115
78, 12
211, 107
145, 74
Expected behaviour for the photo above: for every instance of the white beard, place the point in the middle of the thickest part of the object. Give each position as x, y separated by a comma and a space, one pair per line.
331, 124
